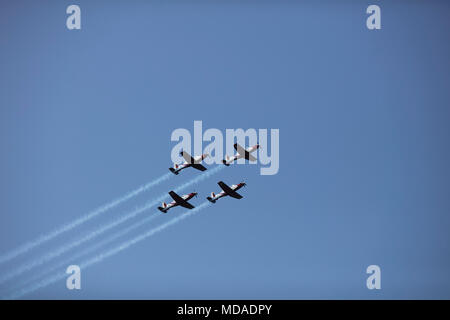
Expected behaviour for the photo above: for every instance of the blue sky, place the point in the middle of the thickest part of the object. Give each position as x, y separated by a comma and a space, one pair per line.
86, 116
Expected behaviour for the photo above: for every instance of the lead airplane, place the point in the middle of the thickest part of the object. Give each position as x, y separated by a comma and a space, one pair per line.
178, 201
241, 153
190, 161
227, 191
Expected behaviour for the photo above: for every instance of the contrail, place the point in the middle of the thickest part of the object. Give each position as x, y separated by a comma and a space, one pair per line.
51, 255
45, 238
88, 250
100, 257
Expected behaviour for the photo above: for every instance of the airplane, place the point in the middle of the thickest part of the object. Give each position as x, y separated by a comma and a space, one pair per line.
227, 191
241, 153
178, 201
189, 162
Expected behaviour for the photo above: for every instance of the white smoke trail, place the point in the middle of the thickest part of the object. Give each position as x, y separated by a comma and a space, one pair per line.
100, 257
56, 253
86, 251
47, 237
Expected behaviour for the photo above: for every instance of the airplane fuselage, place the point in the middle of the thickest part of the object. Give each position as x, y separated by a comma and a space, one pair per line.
178, 167
214, 197
237, 155
165, 207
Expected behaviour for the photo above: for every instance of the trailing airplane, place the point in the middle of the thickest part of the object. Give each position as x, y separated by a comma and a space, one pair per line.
241, 153
178, 201
227, 191
190, 161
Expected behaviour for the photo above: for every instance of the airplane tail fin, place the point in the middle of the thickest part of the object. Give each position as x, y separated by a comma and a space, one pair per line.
211, 200
173, 171
162, 209
225, 161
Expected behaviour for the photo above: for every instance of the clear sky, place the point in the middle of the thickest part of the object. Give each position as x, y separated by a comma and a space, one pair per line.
86, 115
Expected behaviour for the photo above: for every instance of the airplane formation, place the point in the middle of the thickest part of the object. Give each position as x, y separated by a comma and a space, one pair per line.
195, 162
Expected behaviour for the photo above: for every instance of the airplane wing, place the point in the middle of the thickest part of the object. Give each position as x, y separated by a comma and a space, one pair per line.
229, 191
198, 167
244, 152
187, 157
180, 201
